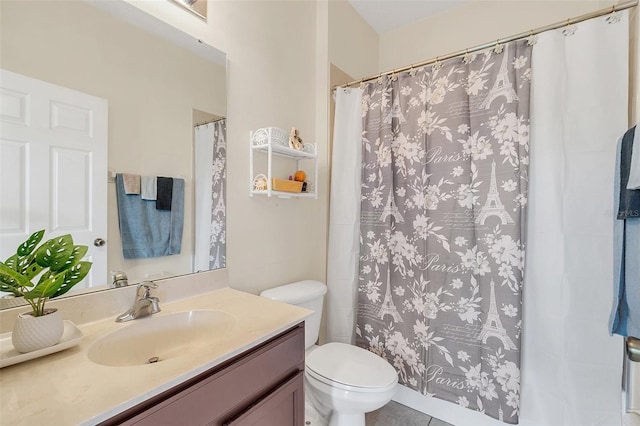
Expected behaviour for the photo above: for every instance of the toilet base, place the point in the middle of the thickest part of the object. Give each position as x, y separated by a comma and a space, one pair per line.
313, 417
346, 419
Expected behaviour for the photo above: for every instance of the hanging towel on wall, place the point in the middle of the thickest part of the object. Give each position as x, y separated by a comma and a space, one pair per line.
634, 173
131, 183
625, 313
148, 188
165, 188
177, 216
629, 204
145, 230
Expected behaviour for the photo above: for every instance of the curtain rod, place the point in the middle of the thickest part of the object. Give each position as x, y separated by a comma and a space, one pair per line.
571, 21
212, 121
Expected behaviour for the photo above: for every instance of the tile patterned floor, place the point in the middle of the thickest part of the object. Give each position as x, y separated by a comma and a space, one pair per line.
394, 414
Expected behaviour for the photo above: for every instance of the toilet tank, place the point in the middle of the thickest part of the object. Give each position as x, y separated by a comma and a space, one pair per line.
306, 294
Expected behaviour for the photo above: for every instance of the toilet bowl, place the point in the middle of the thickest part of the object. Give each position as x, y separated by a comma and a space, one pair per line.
348, 381
341, 381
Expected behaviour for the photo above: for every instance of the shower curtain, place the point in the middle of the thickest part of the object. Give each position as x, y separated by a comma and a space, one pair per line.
571, 367
442, 244
210, 207
344, 217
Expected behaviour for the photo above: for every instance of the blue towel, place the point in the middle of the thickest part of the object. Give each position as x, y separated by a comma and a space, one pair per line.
629, 205
625, 313
145, 230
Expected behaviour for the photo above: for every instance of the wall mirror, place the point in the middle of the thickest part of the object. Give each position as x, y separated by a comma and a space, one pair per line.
164, 91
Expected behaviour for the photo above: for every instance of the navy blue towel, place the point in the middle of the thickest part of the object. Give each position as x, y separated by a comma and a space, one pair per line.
629, 205
165, 190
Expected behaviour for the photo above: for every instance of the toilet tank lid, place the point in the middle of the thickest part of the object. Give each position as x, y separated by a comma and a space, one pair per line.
300, 291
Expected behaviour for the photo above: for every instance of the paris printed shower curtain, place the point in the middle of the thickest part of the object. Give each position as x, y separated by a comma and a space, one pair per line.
443, 212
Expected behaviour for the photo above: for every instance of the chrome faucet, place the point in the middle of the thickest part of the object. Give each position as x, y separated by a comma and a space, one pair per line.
143, 305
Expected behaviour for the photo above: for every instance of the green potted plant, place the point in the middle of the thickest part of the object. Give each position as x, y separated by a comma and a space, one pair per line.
57, 266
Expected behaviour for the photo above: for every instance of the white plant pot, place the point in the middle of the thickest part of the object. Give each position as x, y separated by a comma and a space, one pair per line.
32, 333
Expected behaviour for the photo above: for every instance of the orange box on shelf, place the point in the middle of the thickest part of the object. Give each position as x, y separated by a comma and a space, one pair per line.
286, 185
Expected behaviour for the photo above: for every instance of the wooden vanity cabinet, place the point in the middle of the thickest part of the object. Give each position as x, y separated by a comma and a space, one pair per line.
262, 386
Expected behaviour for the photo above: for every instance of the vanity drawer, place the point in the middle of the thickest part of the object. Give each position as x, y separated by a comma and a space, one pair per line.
229, 390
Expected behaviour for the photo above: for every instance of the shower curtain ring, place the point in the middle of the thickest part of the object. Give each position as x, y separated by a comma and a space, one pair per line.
361, 84
380, 78
569, 29
437, 64
467, 57
499, 47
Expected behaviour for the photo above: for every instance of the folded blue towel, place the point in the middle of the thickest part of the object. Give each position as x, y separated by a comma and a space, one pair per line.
625, 313
145, 230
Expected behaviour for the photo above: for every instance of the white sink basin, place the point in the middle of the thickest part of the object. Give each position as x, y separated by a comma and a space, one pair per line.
160, 337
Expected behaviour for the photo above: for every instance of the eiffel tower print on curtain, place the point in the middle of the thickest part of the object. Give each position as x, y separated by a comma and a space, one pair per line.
502, 86
390, 209
395, 112
493, 206
388, 307
493, 327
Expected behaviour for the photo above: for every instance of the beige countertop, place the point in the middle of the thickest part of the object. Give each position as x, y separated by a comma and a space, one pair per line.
66, 388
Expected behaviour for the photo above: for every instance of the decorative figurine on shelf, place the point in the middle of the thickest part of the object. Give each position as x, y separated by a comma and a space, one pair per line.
295, 141
260, 183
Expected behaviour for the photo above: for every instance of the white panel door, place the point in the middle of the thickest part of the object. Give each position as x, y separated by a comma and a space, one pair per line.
53, 167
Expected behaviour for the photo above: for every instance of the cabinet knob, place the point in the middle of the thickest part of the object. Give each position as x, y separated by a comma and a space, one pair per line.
99, 242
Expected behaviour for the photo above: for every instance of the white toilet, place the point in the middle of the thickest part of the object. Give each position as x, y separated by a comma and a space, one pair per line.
343, 380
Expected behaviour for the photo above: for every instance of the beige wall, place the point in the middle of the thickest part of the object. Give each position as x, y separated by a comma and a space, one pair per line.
353, 44
151, 85
473, 24
272, 78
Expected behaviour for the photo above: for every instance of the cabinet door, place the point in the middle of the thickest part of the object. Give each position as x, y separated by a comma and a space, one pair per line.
282, 407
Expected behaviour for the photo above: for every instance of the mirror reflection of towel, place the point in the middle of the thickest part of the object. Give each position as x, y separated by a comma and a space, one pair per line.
131, 183
165, 189
148, 188
145, 230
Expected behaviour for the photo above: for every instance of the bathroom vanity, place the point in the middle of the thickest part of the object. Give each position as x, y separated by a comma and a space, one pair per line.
250, 372
262, 386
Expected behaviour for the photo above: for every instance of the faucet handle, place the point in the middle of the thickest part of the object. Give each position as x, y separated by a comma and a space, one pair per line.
148, 284
144, 288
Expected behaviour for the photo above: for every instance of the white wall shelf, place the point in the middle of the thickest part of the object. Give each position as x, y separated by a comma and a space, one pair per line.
272, 141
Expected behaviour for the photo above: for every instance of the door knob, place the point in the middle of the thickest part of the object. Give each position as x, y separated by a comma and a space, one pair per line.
99, 242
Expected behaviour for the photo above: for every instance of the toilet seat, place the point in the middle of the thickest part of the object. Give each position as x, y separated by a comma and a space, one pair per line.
350, 368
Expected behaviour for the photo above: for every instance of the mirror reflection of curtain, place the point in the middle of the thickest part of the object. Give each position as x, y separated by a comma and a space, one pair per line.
210, 207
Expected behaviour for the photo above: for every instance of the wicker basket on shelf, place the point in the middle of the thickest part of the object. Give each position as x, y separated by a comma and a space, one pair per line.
286, 185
